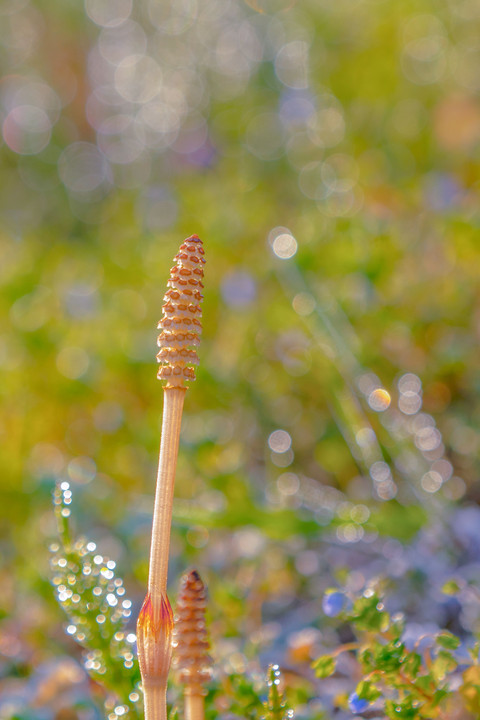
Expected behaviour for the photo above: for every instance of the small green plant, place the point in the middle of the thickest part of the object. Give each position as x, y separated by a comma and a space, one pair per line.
424, 680
276, 706
97, 608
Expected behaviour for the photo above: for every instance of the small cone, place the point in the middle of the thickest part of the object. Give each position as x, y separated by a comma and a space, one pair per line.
180, 324
190, 634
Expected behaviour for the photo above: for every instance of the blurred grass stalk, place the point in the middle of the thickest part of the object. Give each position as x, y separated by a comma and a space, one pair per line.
181, 327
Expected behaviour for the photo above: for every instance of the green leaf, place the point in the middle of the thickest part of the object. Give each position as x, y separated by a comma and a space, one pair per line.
367, 691
324, 666
444, 663
245, 701
395, 520
425, 683
474, 651
368, 613
439, 695
412, 664
448, 640
451, 587
388, 658
401, 710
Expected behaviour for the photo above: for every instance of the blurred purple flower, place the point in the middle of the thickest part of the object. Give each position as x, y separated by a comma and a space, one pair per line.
238, 289
442, 191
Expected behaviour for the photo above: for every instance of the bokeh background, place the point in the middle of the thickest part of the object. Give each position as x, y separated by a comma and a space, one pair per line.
328, 154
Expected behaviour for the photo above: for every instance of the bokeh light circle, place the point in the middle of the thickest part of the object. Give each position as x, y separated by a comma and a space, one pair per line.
108, 14
82, 167
283, 243
138, 78
27, 130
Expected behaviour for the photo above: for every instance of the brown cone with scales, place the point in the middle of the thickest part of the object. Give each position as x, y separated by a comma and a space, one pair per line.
191, 645
180, 324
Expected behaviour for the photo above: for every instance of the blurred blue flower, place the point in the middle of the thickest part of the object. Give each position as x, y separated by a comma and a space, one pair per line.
357, 704
333, 603
238, 289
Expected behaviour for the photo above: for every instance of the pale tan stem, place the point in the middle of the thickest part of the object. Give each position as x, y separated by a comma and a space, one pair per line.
162, 515
155, 622
155, 702
194, 705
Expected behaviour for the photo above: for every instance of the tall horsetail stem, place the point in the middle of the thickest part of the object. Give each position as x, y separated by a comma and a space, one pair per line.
180, 328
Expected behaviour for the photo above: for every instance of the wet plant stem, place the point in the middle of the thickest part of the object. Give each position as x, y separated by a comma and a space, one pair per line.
162, 514
155, 702
194, 704
155, 623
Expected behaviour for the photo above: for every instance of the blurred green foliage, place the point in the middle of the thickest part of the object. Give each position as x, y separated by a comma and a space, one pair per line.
404, 680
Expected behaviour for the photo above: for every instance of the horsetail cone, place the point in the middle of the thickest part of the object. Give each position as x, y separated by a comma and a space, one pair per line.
180, 325
191, 645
